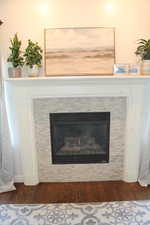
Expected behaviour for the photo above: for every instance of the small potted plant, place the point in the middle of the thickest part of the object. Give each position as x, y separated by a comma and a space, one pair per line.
143, 50
15, 57
33, 58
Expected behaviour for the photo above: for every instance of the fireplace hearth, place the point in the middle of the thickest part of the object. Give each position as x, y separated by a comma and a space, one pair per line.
80, 138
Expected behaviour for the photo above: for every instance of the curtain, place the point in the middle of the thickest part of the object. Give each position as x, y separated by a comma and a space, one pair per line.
6, 159
144, 172
6, 156
144, 175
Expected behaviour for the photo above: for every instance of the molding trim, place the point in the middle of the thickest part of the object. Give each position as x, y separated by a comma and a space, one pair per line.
18, 179
20, 97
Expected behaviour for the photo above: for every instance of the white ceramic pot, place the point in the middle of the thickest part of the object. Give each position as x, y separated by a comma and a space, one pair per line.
34, 71
145, 67
14, 72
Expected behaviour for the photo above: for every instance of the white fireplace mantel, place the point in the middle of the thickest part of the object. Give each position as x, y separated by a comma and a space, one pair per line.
21, 92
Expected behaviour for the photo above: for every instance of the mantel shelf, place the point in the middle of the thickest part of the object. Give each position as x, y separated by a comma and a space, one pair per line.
79, 77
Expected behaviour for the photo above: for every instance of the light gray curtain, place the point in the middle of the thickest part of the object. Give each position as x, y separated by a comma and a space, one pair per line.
144, 178
6, 159
144, 172
6, 156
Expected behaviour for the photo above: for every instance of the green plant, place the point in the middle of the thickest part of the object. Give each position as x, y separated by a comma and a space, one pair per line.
143, 50
15, 57
33, 54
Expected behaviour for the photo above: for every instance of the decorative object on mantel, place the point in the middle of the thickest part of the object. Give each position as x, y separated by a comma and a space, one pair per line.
134, 69
126, 69
143, 50
121, 69
33, 58
79, 51
15, 57
1, 22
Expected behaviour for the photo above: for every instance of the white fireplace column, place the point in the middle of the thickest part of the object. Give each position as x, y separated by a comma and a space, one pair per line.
22, 92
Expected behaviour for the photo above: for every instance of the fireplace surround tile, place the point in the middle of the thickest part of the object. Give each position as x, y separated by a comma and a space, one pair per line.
49, 172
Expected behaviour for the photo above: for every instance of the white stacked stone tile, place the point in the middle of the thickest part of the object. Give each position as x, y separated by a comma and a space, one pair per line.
49, 172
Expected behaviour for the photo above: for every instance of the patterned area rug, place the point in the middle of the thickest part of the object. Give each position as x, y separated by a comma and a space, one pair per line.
112, 213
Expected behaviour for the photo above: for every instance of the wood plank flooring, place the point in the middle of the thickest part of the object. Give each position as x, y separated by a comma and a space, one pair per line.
76, 192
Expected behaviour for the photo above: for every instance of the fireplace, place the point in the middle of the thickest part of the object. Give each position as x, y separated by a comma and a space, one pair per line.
80, 138
50, 116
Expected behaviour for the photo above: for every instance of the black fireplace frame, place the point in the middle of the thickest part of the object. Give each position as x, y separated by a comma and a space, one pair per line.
79, 159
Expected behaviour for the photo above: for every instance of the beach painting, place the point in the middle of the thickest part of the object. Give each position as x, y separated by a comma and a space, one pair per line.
79, 51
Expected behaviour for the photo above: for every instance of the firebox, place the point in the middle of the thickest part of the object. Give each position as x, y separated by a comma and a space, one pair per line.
79, 138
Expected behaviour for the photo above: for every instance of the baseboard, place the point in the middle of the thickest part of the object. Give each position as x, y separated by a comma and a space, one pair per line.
29, 182
18, 179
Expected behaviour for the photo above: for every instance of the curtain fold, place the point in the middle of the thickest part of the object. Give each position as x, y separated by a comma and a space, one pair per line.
144, 172
6, 156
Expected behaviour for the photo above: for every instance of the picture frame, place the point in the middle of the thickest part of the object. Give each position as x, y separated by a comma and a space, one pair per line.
121, 69
79, 51
134, 69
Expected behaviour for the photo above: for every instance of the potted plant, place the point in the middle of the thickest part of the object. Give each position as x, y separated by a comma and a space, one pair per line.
15, 57
143, 50
33, 58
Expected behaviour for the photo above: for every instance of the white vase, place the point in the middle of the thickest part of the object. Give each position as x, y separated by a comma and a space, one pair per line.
145, 67
14, 72
34, 71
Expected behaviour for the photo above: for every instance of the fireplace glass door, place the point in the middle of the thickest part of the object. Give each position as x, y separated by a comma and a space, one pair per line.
80, 138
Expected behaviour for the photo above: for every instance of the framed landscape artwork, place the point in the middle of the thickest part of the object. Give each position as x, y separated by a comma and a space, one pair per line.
79, 51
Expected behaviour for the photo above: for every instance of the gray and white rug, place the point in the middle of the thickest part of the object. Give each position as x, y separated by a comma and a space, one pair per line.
107, 213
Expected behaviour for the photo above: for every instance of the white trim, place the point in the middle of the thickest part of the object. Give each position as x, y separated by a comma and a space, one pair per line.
100, 77
18, 179
20, 96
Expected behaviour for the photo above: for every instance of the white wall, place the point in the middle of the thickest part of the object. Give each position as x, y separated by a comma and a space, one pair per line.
131, 18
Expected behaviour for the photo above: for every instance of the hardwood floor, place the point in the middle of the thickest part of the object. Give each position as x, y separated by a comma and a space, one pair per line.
76, 192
